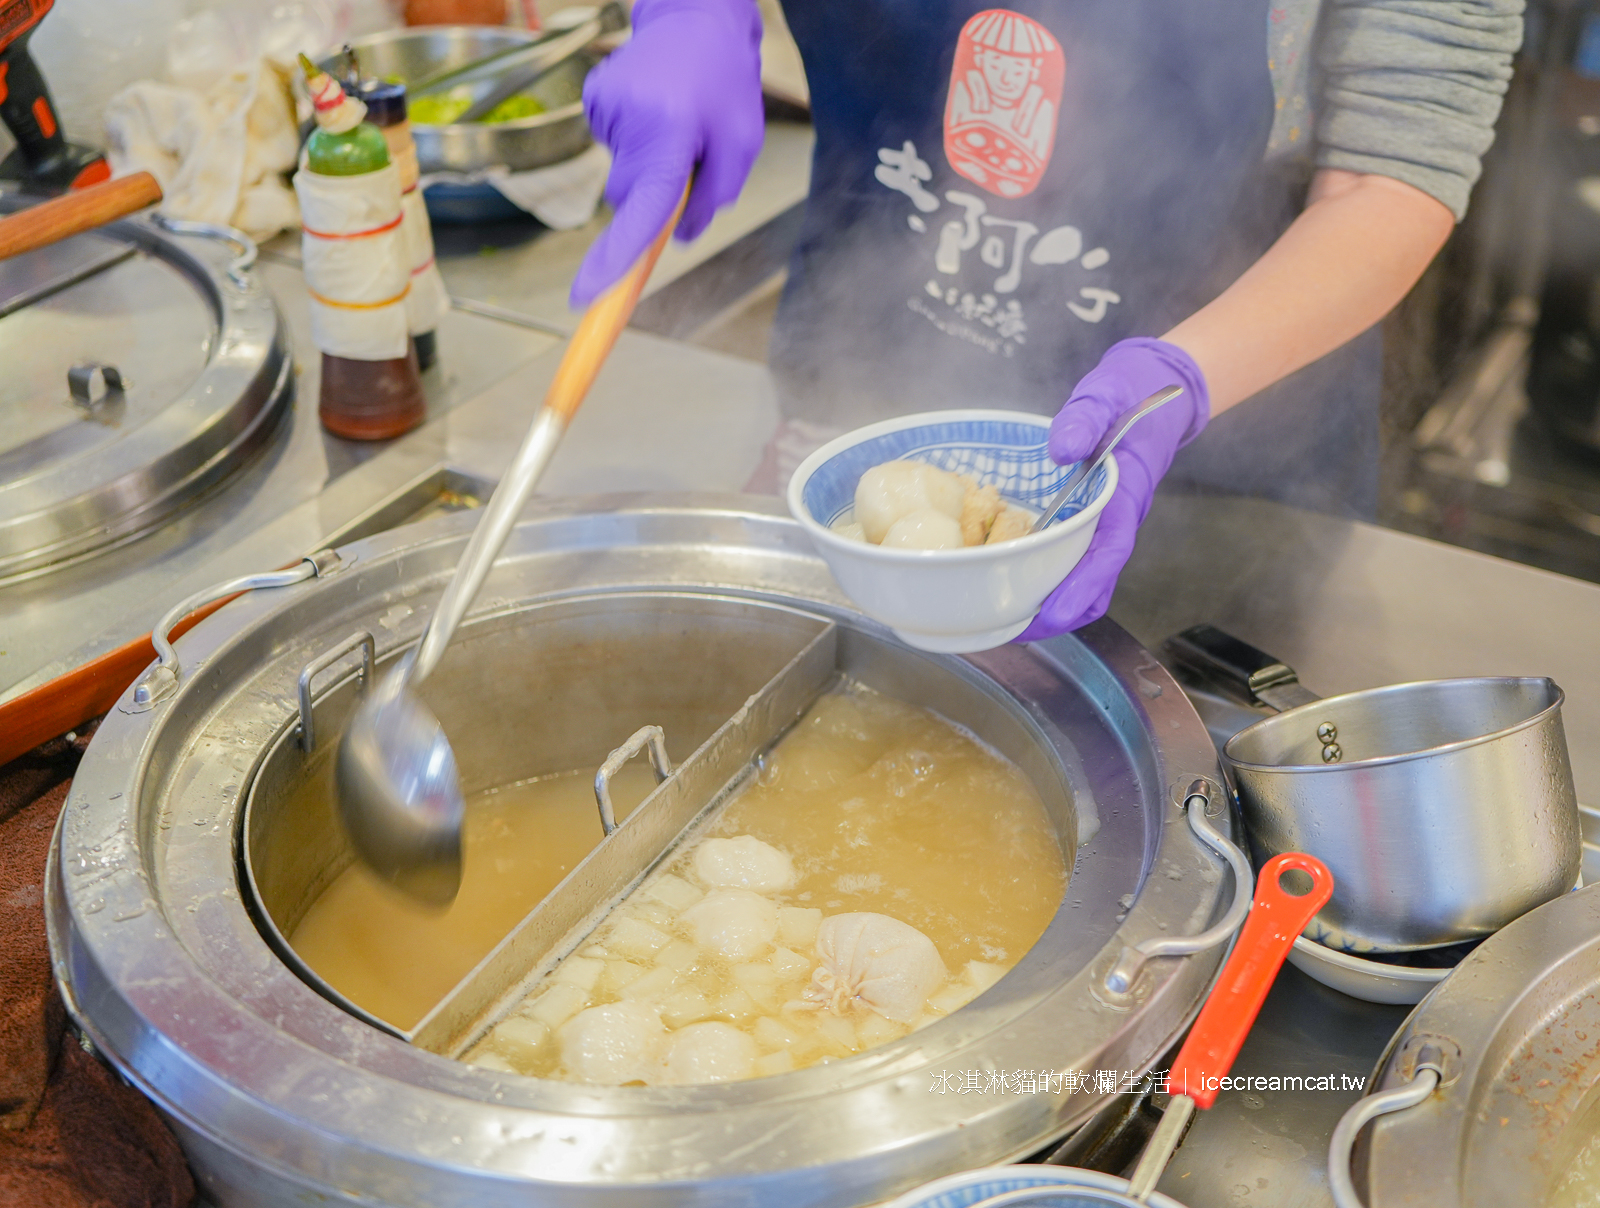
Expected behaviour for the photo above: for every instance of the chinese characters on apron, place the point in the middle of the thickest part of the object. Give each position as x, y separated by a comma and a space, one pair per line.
998, 195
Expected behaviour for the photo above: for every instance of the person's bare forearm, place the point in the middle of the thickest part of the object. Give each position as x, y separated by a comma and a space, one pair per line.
1344, 263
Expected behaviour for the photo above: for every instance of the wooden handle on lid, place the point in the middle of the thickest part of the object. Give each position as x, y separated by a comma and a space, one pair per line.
600, 326
75, 212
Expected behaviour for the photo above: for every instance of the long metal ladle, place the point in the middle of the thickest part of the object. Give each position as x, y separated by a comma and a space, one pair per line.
395, 773
1097, 458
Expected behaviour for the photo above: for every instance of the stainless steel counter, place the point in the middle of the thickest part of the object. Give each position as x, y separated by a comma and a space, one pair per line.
1353, 605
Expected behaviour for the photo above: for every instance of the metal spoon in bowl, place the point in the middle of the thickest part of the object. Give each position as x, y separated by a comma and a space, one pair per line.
395, 773
1096, 459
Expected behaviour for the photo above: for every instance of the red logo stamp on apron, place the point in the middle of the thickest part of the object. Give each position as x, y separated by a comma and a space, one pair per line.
1005, 93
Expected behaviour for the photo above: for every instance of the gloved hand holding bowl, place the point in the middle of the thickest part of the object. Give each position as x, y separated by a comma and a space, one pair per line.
1004, 204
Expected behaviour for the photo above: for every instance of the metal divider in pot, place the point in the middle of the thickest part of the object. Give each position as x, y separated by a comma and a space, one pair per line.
1444, 808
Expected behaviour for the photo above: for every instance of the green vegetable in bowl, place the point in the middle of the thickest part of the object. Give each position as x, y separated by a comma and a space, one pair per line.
515, 107
444, 108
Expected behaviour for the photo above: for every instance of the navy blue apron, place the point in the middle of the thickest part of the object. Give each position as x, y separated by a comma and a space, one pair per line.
998, 195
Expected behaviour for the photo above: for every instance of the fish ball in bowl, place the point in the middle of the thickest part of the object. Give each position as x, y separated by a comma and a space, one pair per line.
924, 528
896, 489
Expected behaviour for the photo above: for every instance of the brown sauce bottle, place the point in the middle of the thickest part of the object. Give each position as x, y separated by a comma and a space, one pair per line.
358, 399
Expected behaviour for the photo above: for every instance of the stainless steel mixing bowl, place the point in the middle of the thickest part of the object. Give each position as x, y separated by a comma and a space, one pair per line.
1514, 1038
531, 142
600, 615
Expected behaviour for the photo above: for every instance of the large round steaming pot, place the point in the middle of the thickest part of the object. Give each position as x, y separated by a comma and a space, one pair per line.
648, 605
1515, 1032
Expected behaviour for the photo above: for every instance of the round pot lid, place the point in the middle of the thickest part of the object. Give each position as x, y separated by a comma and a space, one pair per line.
142, 366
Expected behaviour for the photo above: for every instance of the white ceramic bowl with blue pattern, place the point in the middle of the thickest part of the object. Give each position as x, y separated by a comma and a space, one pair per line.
1074, 1188
960, 600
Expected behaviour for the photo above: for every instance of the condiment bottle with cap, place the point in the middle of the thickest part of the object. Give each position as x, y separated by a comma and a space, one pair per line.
427, 301
356, 269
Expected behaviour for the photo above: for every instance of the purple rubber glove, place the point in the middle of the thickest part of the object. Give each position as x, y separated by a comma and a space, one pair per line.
681, 96
1129, 373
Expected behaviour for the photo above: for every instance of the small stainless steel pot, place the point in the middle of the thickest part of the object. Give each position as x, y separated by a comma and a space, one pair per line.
1445, 809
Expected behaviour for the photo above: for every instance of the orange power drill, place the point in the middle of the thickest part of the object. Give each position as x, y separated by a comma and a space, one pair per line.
43, 159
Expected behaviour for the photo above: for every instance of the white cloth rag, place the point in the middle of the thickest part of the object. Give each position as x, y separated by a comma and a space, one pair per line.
219, 155
427, 302
562, 196
354, 256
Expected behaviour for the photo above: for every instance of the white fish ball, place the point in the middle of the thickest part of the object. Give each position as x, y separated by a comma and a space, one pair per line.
895, 489
743, 862
734, 923
946, 492
924, 528
885, 493
612, 1044
707, 1052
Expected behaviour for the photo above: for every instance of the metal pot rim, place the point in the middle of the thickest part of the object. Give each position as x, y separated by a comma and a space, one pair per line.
1301, 711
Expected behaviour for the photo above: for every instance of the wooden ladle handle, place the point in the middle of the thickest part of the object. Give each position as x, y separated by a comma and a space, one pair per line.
75, 212
597, 331
600, 326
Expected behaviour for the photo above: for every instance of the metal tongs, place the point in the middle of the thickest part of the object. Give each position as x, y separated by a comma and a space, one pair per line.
518, 68
1101, 451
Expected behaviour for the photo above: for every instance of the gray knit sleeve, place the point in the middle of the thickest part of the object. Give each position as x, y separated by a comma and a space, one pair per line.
1412, 88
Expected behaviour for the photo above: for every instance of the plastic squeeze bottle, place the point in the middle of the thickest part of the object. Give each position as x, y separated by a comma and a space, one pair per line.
427, 301
356, 270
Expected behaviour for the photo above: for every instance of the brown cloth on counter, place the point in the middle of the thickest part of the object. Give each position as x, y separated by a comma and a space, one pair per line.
72, 1134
